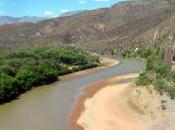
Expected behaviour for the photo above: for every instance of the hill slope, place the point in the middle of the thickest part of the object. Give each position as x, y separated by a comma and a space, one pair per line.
123, 26
72, 13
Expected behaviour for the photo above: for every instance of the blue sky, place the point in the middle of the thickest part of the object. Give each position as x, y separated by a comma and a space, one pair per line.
51, 8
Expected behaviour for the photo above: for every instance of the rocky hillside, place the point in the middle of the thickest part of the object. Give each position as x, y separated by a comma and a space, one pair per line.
124, 26
71, 13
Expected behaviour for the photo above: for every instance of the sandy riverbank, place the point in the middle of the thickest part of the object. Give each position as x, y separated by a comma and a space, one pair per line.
104, 106
158, 111
114, 104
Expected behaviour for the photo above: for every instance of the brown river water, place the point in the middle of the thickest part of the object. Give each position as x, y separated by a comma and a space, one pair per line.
49, 107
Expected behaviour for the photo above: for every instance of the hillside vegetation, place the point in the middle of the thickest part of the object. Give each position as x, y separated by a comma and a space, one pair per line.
21, 70
123, 26
158, 70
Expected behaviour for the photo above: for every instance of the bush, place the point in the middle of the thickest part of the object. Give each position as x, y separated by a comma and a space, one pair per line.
152, 62
8, 87
156, 72
64, 70
171, 76
87, 66
160, 85
24, 69
7, 70
27, 77
162, 70
143, 79
172, 92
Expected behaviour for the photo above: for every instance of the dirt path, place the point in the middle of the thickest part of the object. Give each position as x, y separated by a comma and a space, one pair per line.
104, 106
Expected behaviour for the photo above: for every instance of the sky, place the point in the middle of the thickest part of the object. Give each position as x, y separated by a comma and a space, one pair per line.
48, 8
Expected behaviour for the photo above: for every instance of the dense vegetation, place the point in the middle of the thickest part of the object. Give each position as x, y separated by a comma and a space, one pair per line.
24, 69
157, 72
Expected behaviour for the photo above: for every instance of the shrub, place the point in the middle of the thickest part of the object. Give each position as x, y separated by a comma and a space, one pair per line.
171, 76
157, 72
87, 66
26, 77
143, 79
8, 87
7, 70
162, 70
172, 92
160, 85
21, 70
152, 62
65, 70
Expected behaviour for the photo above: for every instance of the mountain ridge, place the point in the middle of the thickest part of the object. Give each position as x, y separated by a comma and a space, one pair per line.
12, 20
121, 27
70, 13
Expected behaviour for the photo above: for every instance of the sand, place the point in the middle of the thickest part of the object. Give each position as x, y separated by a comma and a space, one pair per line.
113, 104
104, 106
158, 110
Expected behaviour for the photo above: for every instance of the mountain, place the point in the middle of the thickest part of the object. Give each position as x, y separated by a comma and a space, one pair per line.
72, 13
11, 20
123, 26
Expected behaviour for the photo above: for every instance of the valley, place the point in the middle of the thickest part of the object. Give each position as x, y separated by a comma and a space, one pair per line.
93, 68
52, 104
123, 26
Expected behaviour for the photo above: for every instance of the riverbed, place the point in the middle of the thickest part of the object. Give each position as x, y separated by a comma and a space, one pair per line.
49, 107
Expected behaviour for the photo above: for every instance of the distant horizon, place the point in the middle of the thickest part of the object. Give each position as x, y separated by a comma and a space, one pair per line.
50, 8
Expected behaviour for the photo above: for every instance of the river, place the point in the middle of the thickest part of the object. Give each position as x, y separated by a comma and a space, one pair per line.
49, 107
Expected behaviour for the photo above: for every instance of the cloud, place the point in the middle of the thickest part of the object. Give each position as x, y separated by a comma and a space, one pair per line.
48, 12
64, 10
82, 1
101, 0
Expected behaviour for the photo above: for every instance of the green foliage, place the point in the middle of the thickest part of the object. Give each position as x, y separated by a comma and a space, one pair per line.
87, 66
171, 76
130, 54
8, 87
156, 72
141, 53
24, 69
162, 70
143, 79
172, 92
160, 84
152, 62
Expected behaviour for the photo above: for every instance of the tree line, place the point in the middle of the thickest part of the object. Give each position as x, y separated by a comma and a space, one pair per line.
23, 69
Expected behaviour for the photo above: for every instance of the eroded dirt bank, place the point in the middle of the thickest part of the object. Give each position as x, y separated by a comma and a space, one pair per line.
158, 110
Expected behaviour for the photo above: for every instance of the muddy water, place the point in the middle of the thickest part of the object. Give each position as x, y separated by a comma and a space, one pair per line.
49, 107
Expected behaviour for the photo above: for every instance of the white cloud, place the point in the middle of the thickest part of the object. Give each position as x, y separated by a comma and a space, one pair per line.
48, 13
82, 1
64, 10
101, 0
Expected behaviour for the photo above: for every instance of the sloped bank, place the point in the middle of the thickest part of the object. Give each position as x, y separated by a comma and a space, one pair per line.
158, 111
